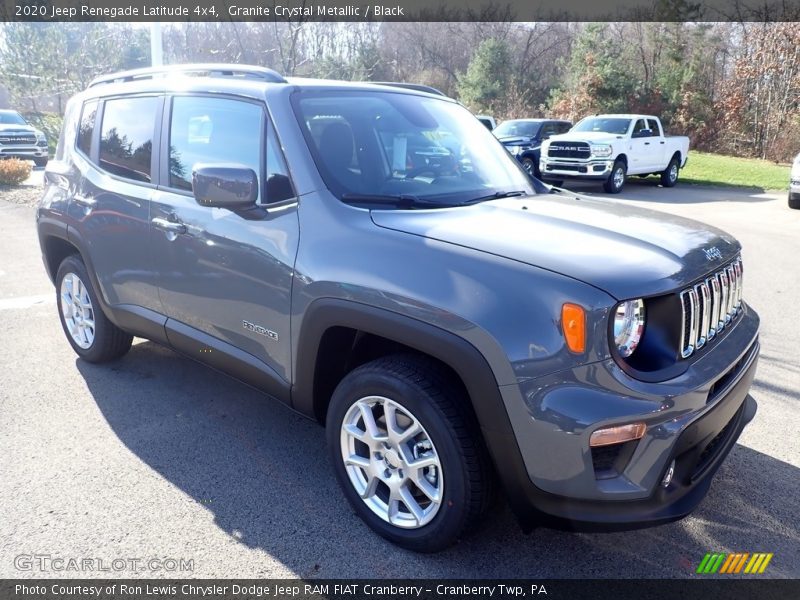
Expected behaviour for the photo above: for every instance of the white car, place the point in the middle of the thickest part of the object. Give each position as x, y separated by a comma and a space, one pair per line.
608, 148
794, 184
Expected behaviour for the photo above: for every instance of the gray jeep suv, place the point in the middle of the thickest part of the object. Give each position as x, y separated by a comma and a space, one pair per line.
457, 326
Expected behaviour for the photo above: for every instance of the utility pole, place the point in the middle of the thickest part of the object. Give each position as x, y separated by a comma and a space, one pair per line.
156, 49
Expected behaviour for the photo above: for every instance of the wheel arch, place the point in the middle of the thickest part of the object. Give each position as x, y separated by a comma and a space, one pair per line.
622, 158
464, 359
337, 335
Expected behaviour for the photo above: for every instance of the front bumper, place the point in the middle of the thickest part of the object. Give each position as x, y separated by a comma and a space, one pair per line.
693, 420
24, 152
564, 168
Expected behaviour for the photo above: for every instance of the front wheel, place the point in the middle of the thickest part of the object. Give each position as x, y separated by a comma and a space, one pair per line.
408, 453
530, 167
794, 200
40, 162
669, 177
93, 337
615, 181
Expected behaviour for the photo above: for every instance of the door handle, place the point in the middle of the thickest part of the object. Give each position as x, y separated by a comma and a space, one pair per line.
86, 201
168, 226
662, 142
647, 143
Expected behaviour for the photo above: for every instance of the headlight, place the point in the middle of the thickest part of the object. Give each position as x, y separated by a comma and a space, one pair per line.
628, 326
517, 149
601, 150
40, 137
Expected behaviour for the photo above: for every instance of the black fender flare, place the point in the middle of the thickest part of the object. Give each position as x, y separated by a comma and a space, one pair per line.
456, 352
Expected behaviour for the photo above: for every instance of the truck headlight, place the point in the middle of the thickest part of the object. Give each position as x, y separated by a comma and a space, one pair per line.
601, 150
40, 137
629, 321
515, 150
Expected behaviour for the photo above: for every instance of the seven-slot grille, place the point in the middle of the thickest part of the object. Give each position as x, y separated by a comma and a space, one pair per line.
569, 150
710, 306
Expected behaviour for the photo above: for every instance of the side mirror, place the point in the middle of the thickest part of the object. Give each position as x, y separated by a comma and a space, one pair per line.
230, 186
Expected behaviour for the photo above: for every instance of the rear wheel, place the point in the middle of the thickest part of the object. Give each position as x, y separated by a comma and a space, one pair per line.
93, 337
408, 453
669, 177
616, 180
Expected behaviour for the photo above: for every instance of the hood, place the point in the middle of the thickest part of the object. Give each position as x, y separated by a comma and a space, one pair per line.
10, 128
516, 140
586, 136
626, 251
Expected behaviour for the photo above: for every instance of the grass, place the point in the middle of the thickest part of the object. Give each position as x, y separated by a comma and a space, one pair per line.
715, 169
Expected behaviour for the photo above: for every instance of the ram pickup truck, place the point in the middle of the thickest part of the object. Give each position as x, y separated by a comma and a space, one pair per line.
460, 328
609, 148
20, 140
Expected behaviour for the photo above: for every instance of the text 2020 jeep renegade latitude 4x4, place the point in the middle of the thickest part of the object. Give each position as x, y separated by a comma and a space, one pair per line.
456, 325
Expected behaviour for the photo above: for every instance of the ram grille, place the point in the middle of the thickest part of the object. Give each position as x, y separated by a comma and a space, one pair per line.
709, 307
569, 150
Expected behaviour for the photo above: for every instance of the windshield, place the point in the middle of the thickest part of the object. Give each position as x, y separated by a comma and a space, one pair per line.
393, 145
517, 128
11, 118
614, 125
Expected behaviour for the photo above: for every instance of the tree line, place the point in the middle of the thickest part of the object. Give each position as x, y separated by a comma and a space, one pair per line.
734, 88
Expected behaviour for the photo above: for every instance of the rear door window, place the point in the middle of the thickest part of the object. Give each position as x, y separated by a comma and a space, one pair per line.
126, 137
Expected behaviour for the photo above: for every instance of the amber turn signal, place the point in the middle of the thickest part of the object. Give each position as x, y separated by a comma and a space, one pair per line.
617, 435
573, 322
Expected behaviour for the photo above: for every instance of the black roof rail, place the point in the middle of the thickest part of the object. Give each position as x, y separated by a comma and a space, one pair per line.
209, 69
411, 86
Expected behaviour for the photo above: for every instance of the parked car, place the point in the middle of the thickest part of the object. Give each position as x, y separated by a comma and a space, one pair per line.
20, 140
794, 184
457, 334
611, 147
523, 139
488, 122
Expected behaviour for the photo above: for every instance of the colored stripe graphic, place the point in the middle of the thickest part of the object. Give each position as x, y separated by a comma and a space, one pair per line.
728, 563
734, 563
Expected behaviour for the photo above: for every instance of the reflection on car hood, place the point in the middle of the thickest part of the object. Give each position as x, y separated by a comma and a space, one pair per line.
623, 250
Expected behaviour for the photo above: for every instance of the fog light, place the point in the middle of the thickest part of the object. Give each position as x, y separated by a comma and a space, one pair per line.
668, 476
617, 435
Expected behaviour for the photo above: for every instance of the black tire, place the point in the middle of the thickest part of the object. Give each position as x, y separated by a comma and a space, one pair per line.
530, 166
616, 180
669, 176
423, 388
40, 162
794, 200
110, 342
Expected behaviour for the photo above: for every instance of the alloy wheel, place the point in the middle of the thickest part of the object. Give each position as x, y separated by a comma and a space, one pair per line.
391, 462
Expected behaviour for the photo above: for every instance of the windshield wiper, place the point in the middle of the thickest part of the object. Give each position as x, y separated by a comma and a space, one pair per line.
496, 196
399, 201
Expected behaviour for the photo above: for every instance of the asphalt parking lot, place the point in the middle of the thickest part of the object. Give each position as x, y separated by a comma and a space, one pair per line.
157, 456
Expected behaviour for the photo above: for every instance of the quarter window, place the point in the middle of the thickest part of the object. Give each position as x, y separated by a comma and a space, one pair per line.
212, 130
126, 137
86, 127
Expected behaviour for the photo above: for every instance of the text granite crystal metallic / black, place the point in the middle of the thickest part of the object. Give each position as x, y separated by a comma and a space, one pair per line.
373, 257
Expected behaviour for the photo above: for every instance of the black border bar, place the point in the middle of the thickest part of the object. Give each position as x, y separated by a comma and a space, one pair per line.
399, 10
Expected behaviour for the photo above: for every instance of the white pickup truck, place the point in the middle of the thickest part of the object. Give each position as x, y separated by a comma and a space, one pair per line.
611, 147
